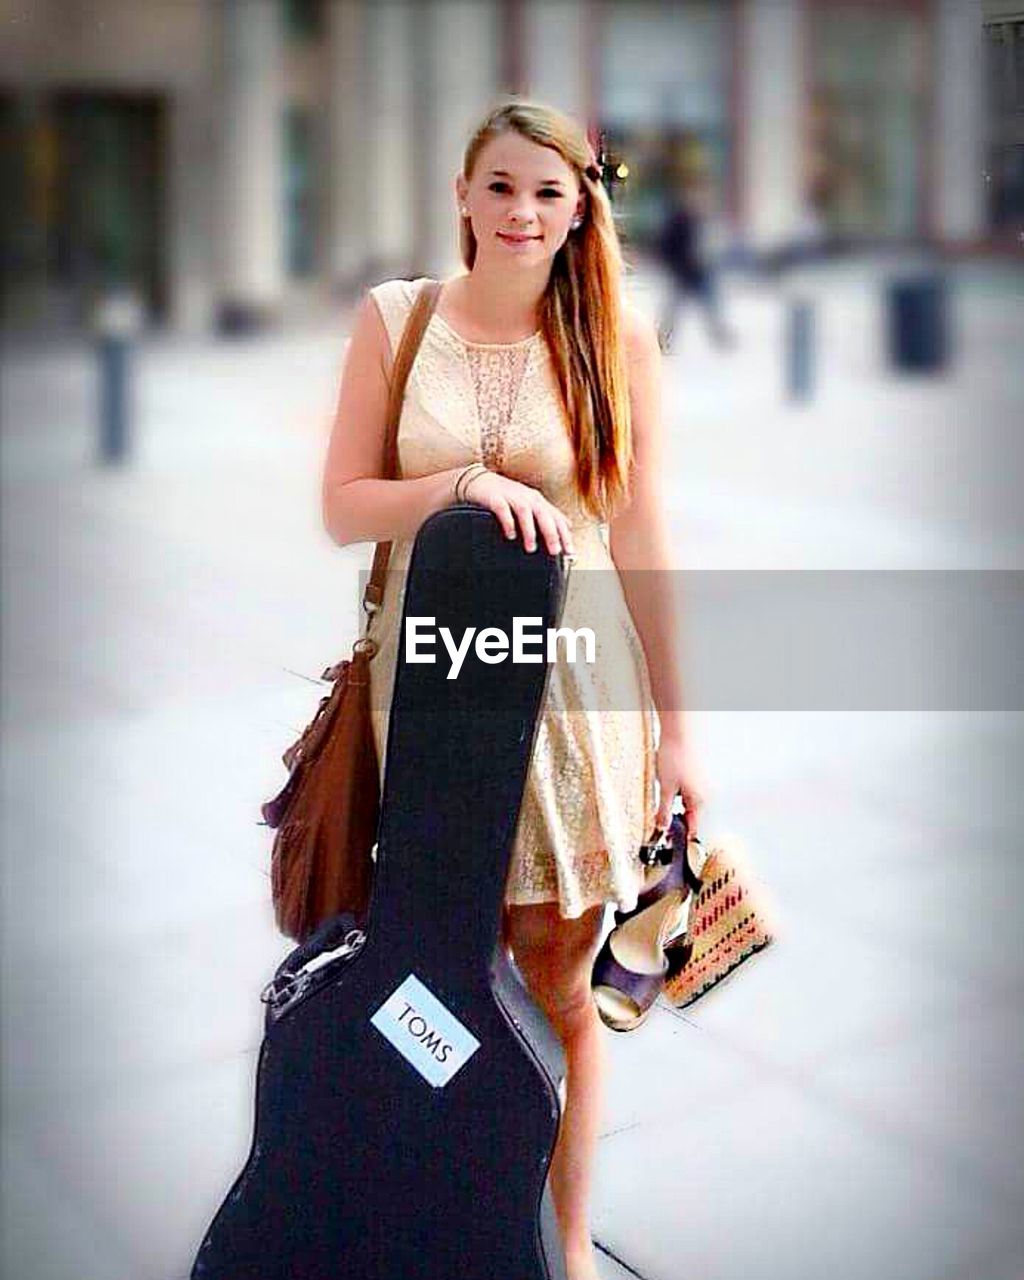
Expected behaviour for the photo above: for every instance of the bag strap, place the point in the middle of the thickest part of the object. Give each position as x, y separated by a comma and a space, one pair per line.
412, 336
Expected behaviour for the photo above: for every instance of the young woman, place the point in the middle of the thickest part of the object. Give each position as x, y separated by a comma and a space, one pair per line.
535, 367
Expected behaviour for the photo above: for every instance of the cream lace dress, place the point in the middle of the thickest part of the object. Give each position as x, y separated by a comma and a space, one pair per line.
590, 792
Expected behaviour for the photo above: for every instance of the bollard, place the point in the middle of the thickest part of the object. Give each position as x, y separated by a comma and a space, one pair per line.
113, 350
117, 319
800, 349
918, 323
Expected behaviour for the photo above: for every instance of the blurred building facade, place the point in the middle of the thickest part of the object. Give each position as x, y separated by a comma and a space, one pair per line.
239, 161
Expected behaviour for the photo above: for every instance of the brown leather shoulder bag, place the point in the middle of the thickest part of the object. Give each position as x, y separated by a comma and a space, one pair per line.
327, 812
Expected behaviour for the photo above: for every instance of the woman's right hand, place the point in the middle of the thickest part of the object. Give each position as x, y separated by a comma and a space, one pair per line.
510, 501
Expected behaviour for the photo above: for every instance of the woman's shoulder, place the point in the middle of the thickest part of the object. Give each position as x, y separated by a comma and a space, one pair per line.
397, 284
389, 294
398, 289
639, 333
394, 298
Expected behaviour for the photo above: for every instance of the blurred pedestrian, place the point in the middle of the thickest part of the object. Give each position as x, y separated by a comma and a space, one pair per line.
690, 274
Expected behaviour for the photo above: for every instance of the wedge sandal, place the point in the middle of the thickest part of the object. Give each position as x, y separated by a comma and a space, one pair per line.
631, 968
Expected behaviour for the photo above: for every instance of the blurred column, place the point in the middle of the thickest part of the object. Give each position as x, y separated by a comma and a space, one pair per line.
251, 163
959, 195
512, 75
194, 160
348, 230
457, 78
556, 36
388, 163
773, 96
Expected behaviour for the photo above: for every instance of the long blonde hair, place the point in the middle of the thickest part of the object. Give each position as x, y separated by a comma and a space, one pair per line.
581, 311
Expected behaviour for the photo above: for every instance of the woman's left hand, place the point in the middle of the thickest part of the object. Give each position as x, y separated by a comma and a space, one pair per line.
678, 774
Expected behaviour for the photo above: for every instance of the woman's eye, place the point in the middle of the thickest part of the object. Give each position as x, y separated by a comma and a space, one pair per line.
548, 192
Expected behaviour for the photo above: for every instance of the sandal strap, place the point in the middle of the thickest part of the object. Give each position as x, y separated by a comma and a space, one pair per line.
676, 877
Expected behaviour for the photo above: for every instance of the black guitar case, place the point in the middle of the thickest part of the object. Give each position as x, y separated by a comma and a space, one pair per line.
407, 1091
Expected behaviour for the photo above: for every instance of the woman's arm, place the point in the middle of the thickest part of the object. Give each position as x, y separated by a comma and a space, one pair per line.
638, 535
358, 506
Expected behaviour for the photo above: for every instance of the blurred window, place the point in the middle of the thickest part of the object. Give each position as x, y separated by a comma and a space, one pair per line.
1004, 175
1005, 52
26, 178
868, 119
665, 103
303, 19
1017, 30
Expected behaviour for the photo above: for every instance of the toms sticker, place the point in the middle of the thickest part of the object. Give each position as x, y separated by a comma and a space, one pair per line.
424, 1032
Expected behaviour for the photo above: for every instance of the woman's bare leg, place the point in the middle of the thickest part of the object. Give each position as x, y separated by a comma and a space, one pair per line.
573, 1159
555, 957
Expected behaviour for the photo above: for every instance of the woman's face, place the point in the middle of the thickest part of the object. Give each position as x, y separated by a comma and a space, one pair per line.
521, 199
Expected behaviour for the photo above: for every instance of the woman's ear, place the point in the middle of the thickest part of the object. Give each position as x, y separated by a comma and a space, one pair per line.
461, 189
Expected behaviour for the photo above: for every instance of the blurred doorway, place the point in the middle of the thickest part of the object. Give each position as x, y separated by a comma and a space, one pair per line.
111, 197
86, 180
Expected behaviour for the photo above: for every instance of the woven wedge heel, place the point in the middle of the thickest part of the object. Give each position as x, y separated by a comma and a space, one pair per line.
730, 918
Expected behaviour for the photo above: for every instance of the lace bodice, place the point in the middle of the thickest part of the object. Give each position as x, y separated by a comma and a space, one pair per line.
497, 374
495, 402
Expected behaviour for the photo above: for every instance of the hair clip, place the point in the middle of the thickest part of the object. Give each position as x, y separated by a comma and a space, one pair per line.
593, 172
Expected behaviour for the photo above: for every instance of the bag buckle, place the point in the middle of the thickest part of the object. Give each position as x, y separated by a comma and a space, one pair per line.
285, 985
288, 986
658, 849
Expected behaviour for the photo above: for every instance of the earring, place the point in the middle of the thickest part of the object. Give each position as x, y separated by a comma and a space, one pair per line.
464, 211
575, 224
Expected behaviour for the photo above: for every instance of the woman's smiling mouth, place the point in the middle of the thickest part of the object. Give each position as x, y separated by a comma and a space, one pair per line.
515, 238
